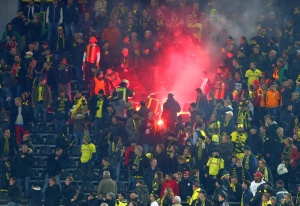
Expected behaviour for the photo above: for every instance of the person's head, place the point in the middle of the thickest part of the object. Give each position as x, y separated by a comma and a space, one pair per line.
43, 81
269, 119
24, 149
273, 200
106, 174
86, 140
121, 196
295, 95
176, 200
55, 2
225, 139
148, 34
69, 180
181, 160
261, 164
235, 63
105, 161
247, 151
288, 142
52, 181
222, 197
258, 176
159, 175
265, 197
239, 163
145, 13
30, 3
153, 162
171, 136
6, 132
202, 194
135, 114
246, 184
132, 203
168, 176
153, 197
288, 197
138, 150
196, 185
168, 191
70, 2
139, 183
18, 101
280, 132
215, 152
186, 175
87, 16
12, 180
187, 151
160, 148
110, 196
253, 65
17, 58
272, 54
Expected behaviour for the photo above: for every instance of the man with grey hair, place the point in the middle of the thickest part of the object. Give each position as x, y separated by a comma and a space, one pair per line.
138, 163
107, 185
176, 201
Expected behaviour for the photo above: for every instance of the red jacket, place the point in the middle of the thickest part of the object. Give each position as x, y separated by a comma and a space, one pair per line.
172, 184
128, 153
295, 155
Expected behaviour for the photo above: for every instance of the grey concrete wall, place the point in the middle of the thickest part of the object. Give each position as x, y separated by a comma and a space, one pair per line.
8, 10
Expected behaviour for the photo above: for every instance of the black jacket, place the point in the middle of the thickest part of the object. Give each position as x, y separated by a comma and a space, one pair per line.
185, 189
162, 159
255, 142
53, 165
52, 195
15, 193
62, 108
149, 176
93, 105
71, 14
170, 108
24, 165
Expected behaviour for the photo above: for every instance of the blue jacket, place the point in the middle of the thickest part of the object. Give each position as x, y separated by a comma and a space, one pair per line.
247, 196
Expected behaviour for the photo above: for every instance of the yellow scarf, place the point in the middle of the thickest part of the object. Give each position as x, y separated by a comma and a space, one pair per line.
6, 145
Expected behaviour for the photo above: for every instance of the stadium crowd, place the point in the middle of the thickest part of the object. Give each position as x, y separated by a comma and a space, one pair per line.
71, 62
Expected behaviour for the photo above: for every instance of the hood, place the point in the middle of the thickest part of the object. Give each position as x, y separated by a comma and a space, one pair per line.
13, 28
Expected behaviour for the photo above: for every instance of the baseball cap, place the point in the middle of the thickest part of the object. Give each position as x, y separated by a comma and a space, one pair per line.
258, 174
186, 173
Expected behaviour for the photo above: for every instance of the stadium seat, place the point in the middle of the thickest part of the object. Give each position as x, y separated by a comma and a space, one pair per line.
72, 163
87, 187
63, 175
77, 175
39, 162
50, 140
75, 151
37, 139
45, 150
35, 174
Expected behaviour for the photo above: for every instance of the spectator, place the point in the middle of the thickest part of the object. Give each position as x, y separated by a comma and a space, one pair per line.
23, 164
41, 100
52, 193
70, 19
54, 18
107, 185
202, 199
20, 116
8, 144
171, 184
62, 105
88, 156
14, 192
53, 168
